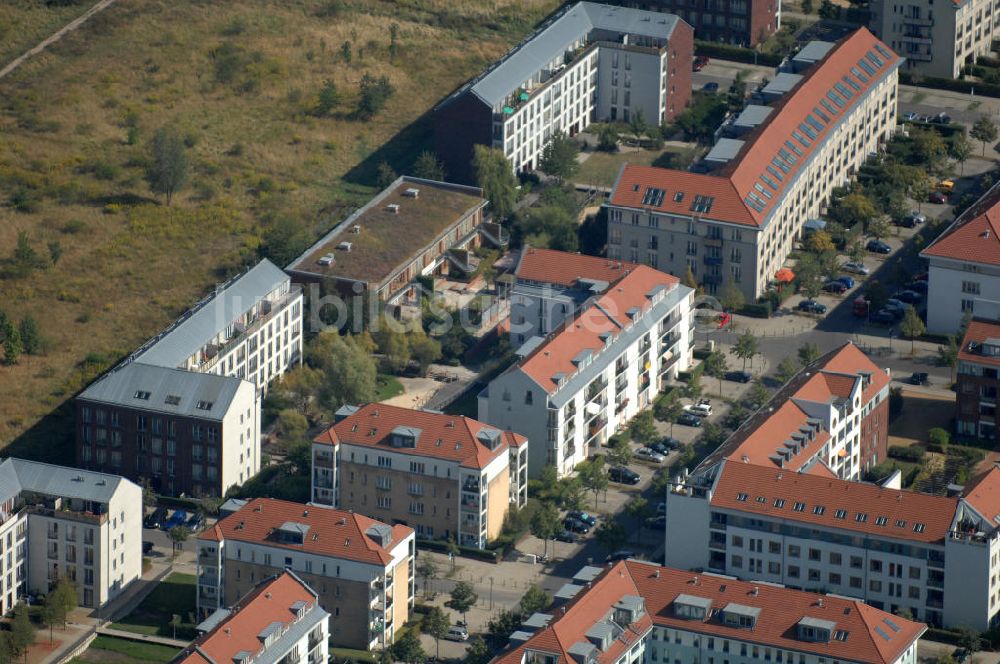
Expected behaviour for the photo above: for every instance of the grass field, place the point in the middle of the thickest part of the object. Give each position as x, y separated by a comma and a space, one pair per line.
175, 595
24, 24
112, 650
240, 83
387, 387
601, 168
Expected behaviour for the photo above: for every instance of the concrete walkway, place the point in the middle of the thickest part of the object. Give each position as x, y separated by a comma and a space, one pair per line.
146, 638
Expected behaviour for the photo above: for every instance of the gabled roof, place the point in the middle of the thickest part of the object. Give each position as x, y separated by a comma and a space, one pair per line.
438, 436
869, 635
271, 607
746, 190
833, 503
566, 269
979, 333
983, 495
167, 390
975, 236
331, 532
212, 315
585, 334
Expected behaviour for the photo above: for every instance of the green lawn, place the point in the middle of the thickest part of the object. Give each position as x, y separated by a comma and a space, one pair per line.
174, 595
386, 387
601, 168
122, 651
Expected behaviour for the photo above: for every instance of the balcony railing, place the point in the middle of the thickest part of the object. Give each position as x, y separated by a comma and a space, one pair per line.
323, 461
596, 388
241, 336
83, 517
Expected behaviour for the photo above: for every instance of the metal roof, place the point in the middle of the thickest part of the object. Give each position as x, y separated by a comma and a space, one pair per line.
185, 389
782, 83
814, 51
725, 150
17, 475
555, 38
202, 323
752, 115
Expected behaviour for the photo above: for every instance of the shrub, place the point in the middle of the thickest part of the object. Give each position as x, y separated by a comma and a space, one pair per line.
762, 310
939, 437
913, 453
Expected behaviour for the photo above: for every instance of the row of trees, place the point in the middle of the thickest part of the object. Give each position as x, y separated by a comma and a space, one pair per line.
24, 337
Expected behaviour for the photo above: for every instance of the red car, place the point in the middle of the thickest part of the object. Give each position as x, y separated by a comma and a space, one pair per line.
938, 197
699, 63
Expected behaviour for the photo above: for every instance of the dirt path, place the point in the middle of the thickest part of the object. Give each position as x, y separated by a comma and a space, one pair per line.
56, 36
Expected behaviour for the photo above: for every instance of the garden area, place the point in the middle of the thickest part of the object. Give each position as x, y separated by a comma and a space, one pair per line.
169, 607
112, 650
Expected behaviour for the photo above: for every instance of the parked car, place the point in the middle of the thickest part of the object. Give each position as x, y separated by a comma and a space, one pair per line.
580, 515
937, 197
155, 518
701, 409
666, 445
909, 297
941, 118
147, 548
567, 536
847, 281
945, 185
711, 86
624, 554
457, 633
178, 518
576, 526
647, 454
689, 420
878, 247
883, 317
195, 522
812, 306
623, 475
657, 522
918, 286
835, 286
699, 63
661, 508
909, 221
918, 378
911, 116
960, 655
739, 376
855, 268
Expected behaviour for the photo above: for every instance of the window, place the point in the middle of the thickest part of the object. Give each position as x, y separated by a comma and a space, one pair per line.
204, 405
529, 397
971, 287
142, 395
799, 507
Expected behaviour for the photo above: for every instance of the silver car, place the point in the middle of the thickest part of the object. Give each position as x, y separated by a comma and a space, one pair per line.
855, 268
650, 455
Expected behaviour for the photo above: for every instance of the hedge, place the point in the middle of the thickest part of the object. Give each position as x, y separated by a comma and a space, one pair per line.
955, 85
762, 310
914, 453
736, 53
488, 555
188, 504
942, 635
701, 353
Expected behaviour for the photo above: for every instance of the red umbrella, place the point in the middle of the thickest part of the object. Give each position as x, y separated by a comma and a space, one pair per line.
784, 276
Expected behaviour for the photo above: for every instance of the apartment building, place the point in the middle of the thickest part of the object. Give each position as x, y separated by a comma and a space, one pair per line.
279, 620
739, 22
591, 62
831, 419
936, 40
60, 522
934, 557
978, 382
586, 379
738, 223
357, 566
445, 476
550, 286
634, 612
433, 226
184, 432
964, 267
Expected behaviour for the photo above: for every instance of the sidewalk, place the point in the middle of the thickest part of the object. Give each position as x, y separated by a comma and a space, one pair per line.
148, 638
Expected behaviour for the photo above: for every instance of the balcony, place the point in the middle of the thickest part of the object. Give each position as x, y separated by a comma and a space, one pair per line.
713, 241
471, 485
596, 388
214, 352
323, 460
323, 481
713, 260
83, 517
714, 279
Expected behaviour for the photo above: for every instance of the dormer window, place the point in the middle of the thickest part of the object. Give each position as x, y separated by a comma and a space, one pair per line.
815, 630
403, 436
690, 607
739, 615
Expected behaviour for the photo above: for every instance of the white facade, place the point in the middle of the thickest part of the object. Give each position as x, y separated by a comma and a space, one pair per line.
611, 385
58, 522
954, 287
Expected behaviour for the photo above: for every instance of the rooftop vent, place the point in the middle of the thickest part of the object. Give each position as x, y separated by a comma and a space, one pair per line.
345, 246
412, 192
326, 259
393, 207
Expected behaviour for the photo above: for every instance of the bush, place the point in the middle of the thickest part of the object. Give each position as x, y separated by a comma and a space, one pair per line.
762, 310
736, 53
984, 89
938, 437
488, 555
912, 453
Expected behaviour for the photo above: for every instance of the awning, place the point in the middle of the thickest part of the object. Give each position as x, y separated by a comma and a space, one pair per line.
593, 408
523, 96
784, 276
842, 452
508, 110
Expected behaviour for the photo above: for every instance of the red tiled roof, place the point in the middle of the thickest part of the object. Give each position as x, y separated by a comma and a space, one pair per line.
975, 236
441, 436
731, 185
608, 314
903, 510
979, 331
984, 495
269, 602
781, 609
766, 439
333, 533
563, 268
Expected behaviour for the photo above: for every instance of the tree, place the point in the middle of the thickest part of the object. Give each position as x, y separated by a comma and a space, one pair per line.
22, 632
427, 568
500, 627
478, 652
424, 350
961, 149
407, 648
548, 226
984, 130
495, 176
167, 169
428, 167
969, 639
463, 598
668, 408
178, 535
758, 395
820, 242
877, 295
559, 157
879, 227
545, 524
593, 476
619, 451
948, 354
641, 429
786, 370
607, 138
385, 175
807, 6
345, 51
638, 509
928, 148
746, 347
692, 388
611, 535
911, 326
436, 624
856, 252
534, 600
349, 372
55, 251
374, 93
394, 346
327, 99
809, 274
854, 208
920, 189
292, 425
731, 298
715, 366
808, 353
12, 345
689, 279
